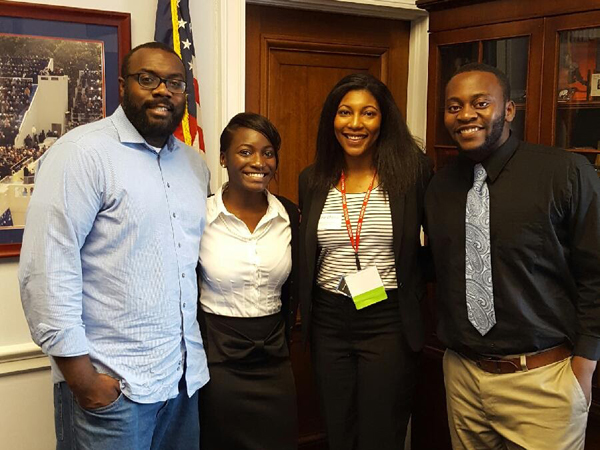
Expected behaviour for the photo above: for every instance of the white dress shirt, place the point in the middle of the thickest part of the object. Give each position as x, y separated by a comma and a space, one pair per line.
243, 272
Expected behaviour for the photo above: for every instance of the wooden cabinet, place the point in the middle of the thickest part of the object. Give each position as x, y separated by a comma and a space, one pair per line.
550, 51
551, 56
506, 46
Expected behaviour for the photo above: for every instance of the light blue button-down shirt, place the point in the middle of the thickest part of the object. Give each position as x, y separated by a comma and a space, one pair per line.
109, 255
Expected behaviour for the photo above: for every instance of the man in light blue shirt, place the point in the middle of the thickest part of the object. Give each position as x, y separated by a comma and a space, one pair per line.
107, 268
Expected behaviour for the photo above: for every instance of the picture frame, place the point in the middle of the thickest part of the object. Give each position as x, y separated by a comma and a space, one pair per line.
112, 32
595, 85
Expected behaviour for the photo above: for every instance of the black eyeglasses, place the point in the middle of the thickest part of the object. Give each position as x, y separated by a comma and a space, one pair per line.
150, 81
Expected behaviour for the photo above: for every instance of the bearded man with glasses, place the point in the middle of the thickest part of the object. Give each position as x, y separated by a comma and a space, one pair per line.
107, 268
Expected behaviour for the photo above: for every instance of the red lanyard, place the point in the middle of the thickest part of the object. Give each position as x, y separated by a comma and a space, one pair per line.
363, 209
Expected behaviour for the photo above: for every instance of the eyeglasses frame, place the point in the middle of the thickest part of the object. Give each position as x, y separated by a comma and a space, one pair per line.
161, 81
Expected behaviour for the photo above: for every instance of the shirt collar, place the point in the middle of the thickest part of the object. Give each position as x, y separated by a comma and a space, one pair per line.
497, 160
493, 164
274, 208
128, 134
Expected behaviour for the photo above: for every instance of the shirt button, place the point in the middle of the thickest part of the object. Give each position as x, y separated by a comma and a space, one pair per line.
183, 275
174, 215
168, 185
184, 304
179, 244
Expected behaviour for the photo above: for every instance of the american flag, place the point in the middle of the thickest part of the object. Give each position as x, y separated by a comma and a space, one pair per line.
174, 28
6, 219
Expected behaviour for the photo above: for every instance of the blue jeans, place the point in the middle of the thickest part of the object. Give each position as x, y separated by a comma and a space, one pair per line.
127, 425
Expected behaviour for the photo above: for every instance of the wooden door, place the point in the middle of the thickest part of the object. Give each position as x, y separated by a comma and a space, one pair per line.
294, 58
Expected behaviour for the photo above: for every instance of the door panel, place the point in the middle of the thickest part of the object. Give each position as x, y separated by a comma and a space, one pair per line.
294, 58
299, 80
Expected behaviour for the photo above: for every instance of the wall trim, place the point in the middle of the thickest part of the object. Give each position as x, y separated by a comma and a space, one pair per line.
21, 358
233, 65
390, 9
418, 68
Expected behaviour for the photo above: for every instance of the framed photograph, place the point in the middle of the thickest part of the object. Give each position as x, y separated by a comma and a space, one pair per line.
595, 85
59, 69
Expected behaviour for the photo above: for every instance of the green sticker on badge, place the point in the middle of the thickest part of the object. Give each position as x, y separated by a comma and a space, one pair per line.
370, 297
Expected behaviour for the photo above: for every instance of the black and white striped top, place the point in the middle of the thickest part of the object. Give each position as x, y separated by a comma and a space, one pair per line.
376, 239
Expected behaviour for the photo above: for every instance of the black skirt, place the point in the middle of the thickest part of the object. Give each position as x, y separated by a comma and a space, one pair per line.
250, 401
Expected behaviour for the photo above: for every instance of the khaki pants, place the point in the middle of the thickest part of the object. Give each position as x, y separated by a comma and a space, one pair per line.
541, 409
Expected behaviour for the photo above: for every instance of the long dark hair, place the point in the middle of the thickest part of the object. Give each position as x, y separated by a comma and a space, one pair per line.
397, 157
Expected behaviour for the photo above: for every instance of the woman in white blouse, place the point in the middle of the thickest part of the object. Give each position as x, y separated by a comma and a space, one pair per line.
246, 297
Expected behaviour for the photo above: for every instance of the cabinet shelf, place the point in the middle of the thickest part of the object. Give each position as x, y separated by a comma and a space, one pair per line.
584, 150
454, 149
582, 104
520, 106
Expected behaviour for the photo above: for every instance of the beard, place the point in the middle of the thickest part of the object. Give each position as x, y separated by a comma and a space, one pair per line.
138, 116
491, 140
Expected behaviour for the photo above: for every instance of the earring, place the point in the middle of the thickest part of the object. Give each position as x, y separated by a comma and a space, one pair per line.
223, 166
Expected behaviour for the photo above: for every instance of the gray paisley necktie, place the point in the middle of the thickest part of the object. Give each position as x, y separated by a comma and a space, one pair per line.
478, 257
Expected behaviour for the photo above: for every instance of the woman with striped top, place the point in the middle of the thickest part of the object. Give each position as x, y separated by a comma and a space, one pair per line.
362, 206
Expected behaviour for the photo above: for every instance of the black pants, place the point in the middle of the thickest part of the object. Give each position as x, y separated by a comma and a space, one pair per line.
365, 372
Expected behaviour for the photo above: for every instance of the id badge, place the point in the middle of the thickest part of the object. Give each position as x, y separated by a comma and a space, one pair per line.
330, 222
365, 287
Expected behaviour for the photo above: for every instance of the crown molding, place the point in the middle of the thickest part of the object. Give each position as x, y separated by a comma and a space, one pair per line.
389, 9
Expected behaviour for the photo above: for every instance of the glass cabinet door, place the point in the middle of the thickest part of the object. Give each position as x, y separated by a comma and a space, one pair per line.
505, 46
571, 85
577, 125
509, 55
451, 58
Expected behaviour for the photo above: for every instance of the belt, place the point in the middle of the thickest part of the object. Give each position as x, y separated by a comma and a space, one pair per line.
522, 363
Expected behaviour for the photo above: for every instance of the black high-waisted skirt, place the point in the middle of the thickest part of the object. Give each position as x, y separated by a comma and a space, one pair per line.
250, 401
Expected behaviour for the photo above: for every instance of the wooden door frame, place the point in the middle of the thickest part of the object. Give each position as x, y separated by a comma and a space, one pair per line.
416, 108
229, 66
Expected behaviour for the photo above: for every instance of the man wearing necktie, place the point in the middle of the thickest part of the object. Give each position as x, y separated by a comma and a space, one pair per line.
514, 230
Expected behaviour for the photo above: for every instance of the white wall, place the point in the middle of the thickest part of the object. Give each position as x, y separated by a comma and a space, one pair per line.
26, 418
27, 412
12, 322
